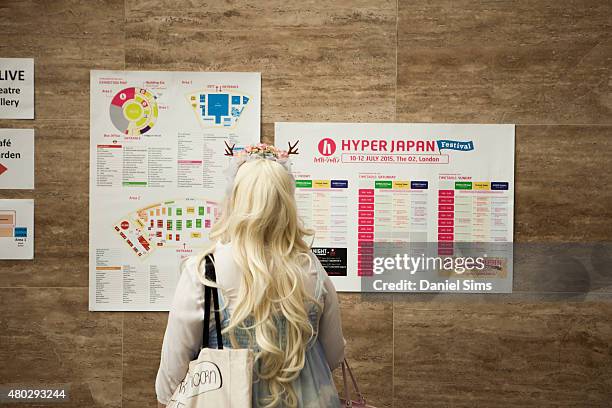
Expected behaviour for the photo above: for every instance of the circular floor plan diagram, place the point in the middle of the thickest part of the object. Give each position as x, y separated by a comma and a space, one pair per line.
133, 111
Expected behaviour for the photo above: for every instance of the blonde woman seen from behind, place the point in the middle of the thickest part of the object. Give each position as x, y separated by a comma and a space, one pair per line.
275, 297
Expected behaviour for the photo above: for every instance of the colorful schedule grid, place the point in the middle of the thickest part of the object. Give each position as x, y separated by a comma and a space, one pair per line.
472, 211
323, 206
389, 212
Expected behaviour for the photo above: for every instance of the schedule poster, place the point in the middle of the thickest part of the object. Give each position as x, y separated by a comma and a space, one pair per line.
156, 175
439, 186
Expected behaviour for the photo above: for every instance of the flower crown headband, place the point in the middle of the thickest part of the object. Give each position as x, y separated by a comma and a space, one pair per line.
256, 152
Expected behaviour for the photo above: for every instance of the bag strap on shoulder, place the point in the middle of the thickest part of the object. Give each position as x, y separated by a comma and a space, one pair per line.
209, 273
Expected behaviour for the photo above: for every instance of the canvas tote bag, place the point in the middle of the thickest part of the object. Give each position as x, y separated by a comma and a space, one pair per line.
219, 378
347, 401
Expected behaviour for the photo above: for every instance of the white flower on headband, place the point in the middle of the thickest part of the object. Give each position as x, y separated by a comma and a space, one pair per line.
255, 152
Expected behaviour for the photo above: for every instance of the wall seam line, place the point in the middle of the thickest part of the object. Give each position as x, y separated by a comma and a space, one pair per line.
393, 296
396, 56
123, 313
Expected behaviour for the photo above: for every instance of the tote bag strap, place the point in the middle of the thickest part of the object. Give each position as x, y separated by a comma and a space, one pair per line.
346, 368
208, 293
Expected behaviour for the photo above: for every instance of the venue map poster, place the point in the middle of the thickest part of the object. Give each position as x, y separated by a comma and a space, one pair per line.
371, 185
156, 175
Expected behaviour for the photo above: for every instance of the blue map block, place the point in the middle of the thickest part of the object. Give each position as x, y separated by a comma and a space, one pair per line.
218, 106
235, 100
21, 232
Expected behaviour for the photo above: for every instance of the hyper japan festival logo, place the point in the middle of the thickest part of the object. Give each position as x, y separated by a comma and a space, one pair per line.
327, 146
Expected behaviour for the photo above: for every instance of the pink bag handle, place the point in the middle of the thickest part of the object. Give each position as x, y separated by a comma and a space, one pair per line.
347, 393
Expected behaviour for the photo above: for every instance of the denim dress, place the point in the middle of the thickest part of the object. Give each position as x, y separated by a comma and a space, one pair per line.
314, 386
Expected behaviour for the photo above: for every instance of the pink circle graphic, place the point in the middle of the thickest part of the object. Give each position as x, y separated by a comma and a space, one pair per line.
327, 147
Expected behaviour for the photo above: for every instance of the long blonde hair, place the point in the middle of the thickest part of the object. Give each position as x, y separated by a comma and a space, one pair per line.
261, 222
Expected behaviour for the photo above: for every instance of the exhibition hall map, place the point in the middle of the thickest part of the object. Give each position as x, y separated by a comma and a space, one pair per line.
156, 175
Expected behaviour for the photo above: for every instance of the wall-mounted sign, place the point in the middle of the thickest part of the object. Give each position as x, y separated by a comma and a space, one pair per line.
441, 194
156, 175
17, 229
16, 88
17, 159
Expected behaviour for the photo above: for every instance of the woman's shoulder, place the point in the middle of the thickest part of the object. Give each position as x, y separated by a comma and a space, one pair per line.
194, 265
316, 268
222, 250
227, 271
315, 275
190, 268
